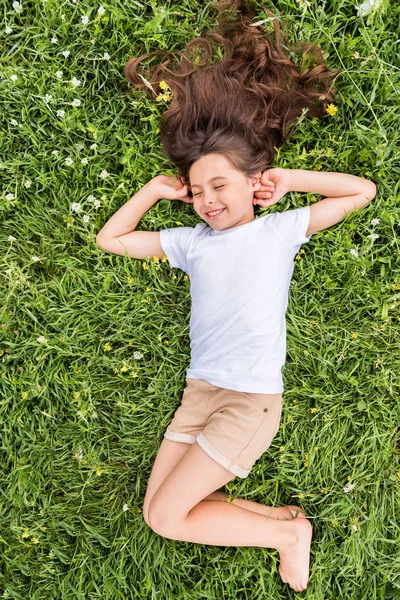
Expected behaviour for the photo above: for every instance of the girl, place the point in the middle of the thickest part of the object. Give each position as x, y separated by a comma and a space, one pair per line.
221, 131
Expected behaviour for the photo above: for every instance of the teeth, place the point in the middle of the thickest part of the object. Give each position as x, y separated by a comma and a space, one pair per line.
215, 212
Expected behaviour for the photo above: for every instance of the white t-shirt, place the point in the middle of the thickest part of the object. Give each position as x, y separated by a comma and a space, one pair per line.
239, 284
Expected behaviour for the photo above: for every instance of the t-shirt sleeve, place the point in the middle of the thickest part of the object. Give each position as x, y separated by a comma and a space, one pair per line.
292, 225
174, 242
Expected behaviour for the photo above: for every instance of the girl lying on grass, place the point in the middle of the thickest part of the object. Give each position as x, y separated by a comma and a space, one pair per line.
221, 131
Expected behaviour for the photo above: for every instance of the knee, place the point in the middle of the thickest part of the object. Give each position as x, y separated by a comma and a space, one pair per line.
159, 522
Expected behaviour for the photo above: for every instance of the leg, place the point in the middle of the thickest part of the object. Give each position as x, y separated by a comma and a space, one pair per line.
170, 453
177, 511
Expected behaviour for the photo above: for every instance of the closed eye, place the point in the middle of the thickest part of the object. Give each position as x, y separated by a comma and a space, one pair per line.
219, 186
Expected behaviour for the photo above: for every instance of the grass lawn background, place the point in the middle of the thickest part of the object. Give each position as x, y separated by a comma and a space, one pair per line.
94, 347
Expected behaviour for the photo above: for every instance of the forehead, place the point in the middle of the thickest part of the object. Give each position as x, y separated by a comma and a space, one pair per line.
210, 168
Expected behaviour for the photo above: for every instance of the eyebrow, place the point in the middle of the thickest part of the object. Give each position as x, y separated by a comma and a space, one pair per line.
210, 180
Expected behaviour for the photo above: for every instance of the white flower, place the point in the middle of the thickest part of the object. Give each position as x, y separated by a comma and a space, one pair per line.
104, 197
93, 146
375, 221
354, 527
91, 198
11, 238
93, 42
17, 7
104, 174
76, 102
76, 207
35, 258
8, 29
86, 218
60, 113
106, 56
55, 152
97, 203
354, 252
75, 82
137, 355
48, 97
84, 19
66, 53
125, 507
28, 184
59, 74
84, 161
14, 77
41, 339
101, 10
350, 487
14, 122
10, 196
69, 161
54, 40
63, 17
367, 7
373, 236
79, 456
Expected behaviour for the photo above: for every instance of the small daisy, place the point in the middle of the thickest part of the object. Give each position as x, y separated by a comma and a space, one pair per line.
350, 487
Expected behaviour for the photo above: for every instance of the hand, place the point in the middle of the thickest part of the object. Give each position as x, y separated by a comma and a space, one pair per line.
171, 188
274, 185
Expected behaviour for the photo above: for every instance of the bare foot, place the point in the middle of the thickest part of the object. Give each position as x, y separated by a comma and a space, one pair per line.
295, 557
284, 512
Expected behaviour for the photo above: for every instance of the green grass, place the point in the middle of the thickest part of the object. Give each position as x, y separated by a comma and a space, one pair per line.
94, 347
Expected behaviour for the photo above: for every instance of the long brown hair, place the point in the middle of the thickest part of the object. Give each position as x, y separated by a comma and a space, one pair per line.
242, 106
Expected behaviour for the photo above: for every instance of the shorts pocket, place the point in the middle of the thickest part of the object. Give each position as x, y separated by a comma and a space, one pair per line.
268, 415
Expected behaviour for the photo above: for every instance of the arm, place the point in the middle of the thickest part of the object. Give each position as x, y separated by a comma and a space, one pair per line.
118, 235
347, 193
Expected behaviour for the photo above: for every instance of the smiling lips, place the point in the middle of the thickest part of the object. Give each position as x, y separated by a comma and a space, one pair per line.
215, 213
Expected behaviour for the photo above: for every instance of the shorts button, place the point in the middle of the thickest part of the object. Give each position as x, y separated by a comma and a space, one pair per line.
265, 409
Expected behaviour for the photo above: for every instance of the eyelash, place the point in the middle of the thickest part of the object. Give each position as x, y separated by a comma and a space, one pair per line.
219, 186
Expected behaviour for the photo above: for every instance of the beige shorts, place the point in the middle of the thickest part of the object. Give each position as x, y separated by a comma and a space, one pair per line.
234, 428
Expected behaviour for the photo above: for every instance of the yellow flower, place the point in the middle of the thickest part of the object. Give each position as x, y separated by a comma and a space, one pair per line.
164, 85
25, 533
35, 540
354, 335
156, 259
98, 471
313, 410
124, 368
331, 110
324, 490
107, 346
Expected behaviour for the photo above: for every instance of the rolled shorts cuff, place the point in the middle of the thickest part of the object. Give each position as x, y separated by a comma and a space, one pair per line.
208, 449
174, 436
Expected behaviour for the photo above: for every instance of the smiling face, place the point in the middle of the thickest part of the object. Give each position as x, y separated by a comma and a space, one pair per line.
216, 185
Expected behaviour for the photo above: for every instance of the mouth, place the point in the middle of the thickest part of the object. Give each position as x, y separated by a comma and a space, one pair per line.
214, 214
